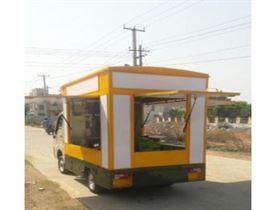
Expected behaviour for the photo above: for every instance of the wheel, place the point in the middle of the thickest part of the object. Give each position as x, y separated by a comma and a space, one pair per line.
61, 165
92, 186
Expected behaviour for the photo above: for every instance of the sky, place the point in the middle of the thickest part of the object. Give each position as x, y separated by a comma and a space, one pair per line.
66, 39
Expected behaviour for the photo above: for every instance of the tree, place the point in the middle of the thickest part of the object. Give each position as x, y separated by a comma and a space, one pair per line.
26, 109
176, 113
241, 109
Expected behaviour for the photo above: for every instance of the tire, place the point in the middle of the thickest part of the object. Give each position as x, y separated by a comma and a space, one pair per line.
94, 188
61, 165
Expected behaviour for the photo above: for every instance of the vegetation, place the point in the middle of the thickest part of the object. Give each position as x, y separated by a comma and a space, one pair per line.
26, 109
145, 144
33, 120
241, 109
176, 113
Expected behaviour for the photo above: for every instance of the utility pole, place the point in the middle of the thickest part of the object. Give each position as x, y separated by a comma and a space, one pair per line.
46, 109
141, 55
134, 43
44, 82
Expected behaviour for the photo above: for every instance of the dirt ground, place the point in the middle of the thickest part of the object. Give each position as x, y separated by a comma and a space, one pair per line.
43, 194
235, 155
229, 140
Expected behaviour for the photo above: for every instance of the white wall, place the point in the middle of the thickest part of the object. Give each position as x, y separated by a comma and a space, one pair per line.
104, 130
122, 130
86, 86
197, 131
156, 82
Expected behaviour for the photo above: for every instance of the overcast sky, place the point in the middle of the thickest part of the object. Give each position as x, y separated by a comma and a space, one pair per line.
66, 39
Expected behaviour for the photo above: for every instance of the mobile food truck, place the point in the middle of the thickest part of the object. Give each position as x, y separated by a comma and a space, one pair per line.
130, 126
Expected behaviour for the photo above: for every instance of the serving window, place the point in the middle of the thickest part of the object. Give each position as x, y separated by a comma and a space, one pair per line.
160, 122
85, 122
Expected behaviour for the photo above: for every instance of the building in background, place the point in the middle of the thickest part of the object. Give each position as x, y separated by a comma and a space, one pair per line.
39, 92
40, 103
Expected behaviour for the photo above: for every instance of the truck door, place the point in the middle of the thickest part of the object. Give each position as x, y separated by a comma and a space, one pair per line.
59, 135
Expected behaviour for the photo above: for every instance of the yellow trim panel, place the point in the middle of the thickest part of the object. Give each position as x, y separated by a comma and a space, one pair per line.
160, 158
82, 153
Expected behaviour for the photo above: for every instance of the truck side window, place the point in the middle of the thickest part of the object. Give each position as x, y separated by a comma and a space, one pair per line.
85, 122
160, 123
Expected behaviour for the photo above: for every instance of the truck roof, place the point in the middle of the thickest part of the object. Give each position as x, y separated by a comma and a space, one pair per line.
141, 70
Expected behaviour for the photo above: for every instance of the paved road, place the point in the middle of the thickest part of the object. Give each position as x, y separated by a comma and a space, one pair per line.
228, 185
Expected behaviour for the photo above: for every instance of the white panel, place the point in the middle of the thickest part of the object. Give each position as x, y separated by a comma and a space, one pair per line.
104, 130
65, 126
157, 82
197, 131
86, 86
122, 146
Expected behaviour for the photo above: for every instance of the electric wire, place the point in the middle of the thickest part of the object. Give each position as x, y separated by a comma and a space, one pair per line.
211, 60
198, 39
201, 34
203, 29
204, 53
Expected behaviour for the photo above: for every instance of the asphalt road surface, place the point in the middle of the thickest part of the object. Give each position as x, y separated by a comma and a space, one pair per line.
228, 184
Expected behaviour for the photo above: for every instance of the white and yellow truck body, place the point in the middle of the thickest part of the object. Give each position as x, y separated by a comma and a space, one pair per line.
105, 132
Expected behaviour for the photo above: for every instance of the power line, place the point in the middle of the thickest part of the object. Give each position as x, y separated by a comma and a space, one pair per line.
50, 63
107, 43
213, 60
195, 62
203, 29
174, 13
115, 29
145, 60
201, 34
204, 53
141, 15
152, 9
110, 60
73, 73
166, 10
72, 52
148, 11
32, 81
77, 60
201, 38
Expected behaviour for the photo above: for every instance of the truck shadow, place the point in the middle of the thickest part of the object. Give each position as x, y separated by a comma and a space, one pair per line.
194, 196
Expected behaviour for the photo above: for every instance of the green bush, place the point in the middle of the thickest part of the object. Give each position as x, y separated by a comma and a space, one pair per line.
33, 120
148, 145
241, 109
